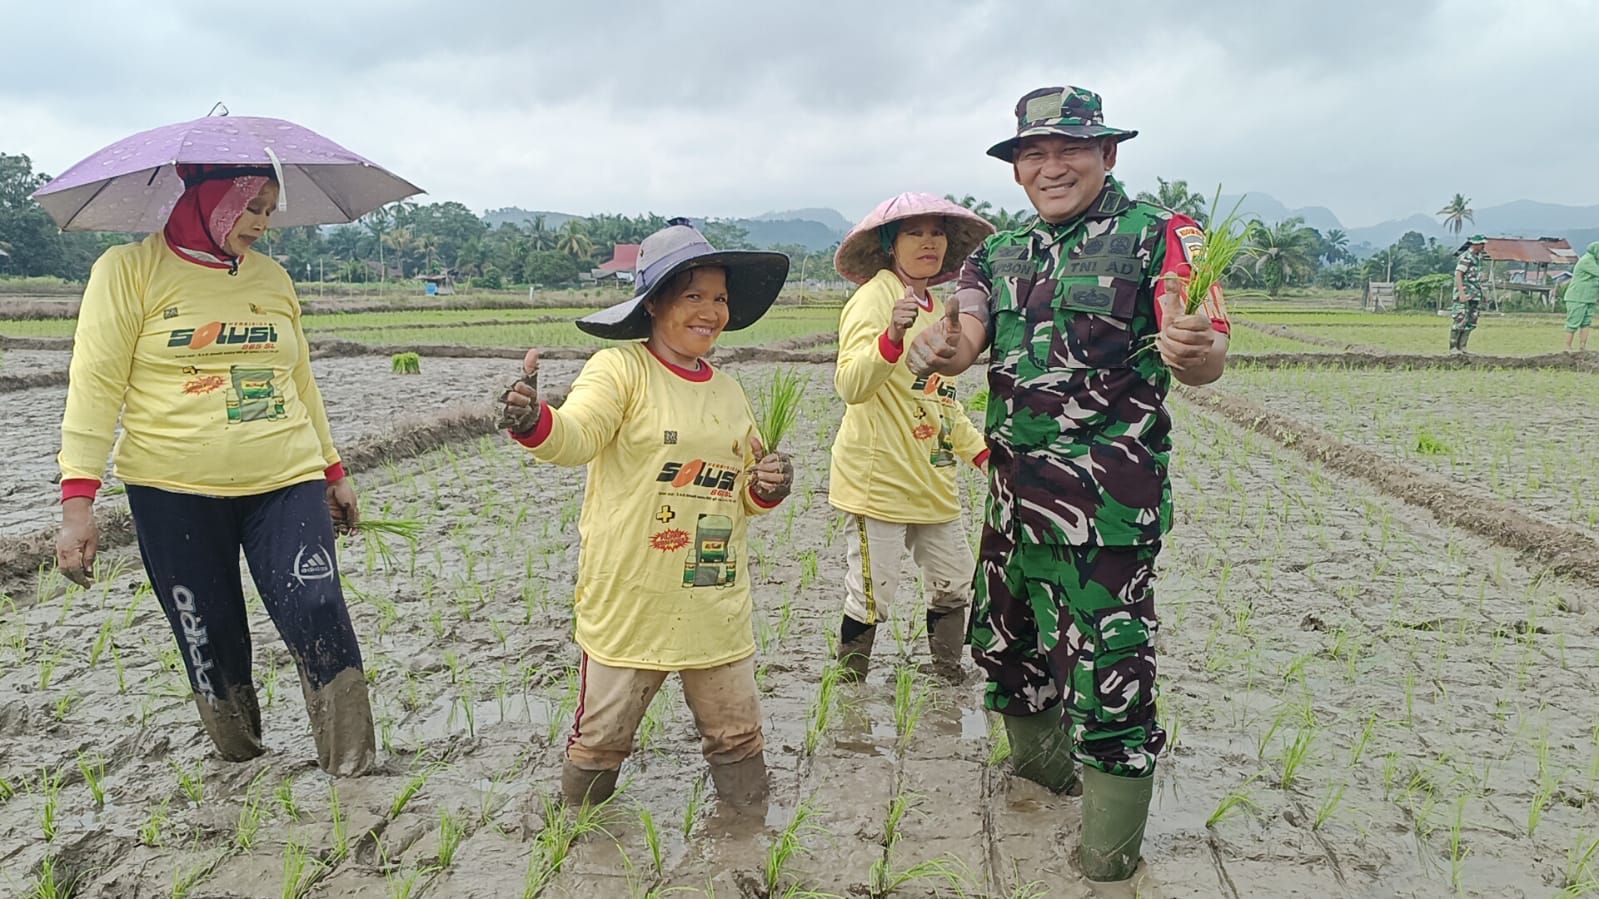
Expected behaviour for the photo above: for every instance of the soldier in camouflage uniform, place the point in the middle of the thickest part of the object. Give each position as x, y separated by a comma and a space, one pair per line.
1087, 327
1468, 292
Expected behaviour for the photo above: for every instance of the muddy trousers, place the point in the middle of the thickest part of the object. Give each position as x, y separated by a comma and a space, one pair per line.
872, 566
612, 701
1072, 626
190, 546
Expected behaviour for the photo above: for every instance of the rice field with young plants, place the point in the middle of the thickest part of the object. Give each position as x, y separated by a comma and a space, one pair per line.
1511, 334
1360, 699
1523, 436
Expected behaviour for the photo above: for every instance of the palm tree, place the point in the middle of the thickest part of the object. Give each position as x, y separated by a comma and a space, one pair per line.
539, 237
1457, 213
980, 207
1336, 247
1176, 196
1281, 252
404, 242
574, 241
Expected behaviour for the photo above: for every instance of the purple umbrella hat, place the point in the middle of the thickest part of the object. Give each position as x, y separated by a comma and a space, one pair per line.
133, 184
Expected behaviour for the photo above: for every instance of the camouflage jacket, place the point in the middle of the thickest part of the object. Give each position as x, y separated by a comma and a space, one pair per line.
1469, 268
1077, 426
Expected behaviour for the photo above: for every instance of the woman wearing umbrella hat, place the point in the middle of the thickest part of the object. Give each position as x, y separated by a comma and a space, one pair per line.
893, 460
194, 341
675, 471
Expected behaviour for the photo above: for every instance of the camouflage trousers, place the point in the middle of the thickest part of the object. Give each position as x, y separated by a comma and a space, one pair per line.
1072, 626
1465, 315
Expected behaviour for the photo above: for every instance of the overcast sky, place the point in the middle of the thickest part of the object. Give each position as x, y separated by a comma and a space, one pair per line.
1374, 108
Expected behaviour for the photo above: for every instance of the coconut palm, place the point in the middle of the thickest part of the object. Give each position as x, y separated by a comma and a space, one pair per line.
573, 240
980, 207
404, 242
1281, 253
1176, 196
1335, 247
1457, 213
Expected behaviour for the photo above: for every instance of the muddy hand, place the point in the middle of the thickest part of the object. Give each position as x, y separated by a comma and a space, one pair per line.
935, 343
906, 308
342, 506
772, 478
78, 541
519, 402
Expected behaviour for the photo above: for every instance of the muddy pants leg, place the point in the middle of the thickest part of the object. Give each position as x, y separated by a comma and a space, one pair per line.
945, 558
288, 542
190, 548
871, 576
1102, 649
610, 704
727, 712
1008, 647
1004, 634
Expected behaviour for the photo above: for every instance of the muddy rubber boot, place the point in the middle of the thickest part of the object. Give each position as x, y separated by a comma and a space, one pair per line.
1115, 810
341, 723
1041, 751
1465, 338
742, 784
855, 647
1454, 340
946, 638
580, 786
233, 724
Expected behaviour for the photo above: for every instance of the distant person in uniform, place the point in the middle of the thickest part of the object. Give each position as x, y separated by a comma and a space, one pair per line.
1468, 292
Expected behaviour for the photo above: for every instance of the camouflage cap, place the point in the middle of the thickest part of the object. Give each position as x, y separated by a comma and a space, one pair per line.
1476, 238
1067, 111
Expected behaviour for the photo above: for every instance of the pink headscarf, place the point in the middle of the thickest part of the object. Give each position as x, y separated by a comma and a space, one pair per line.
211, 205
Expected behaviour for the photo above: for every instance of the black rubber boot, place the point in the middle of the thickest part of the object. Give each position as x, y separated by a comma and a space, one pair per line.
580, 786
855, 647
946, 640
741, 784
1454, 340
1465, 337
1041, 750
1115, 810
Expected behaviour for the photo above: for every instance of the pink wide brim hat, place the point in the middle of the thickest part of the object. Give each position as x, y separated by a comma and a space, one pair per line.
861, 255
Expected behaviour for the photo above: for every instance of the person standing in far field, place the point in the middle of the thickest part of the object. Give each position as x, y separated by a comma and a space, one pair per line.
1468, 293
1582, 294
1085, 314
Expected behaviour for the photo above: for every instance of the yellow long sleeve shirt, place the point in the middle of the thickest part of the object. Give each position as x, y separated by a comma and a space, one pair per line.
894, 456
663, 578
210, 372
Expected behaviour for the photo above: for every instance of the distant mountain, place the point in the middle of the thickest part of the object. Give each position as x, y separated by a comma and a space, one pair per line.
814, 229
511, 215
1271, 211
1519, 218
831, 218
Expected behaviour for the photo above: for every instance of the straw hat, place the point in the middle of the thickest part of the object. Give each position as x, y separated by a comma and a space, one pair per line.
861, 255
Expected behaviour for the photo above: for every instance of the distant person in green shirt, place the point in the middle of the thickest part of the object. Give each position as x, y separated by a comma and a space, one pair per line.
1582, 294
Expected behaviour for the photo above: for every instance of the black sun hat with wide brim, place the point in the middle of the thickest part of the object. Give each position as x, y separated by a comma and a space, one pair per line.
754, 279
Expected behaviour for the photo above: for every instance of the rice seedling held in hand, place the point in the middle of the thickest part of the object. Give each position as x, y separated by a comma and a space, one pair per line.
777, 406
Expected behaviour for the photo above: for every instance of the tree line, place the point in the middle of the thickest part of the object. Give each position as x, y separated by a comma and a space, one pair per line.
406, 239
